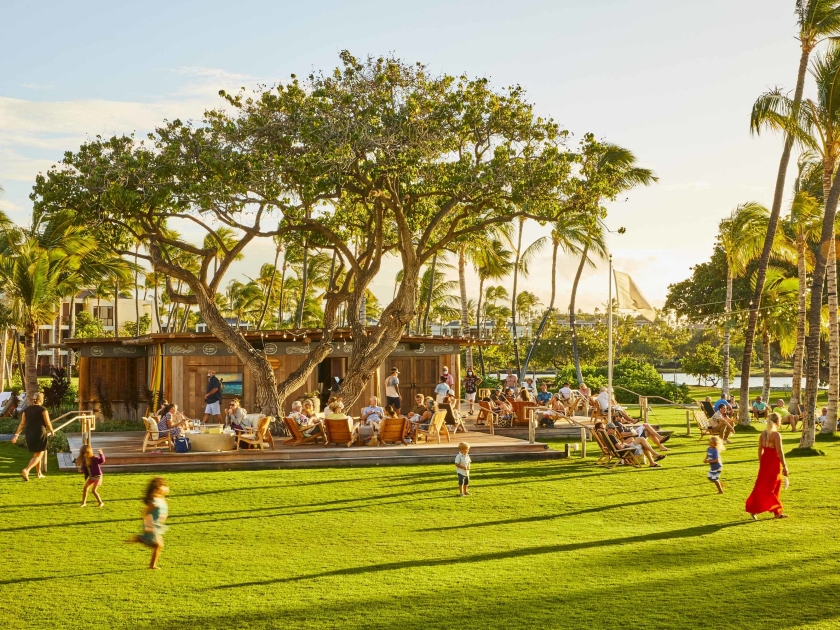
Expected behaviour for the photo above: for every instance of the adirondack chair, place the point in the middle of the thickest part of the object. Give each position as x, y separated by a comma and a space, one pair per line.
606, 454
453, 417
297, 435
626, 455
519, 408
154, 437
393, 430
703, 424
261, 437
486, 416
707, 408
341, 431
437, 425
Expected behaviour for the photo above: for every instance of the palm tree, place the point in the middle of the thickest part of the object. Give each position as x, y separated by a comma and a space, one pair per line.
741, 236
521, 265
278, 248
244, 300
776, 319
815, 125
570, 235
526, 302
606, 170
816, 20
804, 225
228, 240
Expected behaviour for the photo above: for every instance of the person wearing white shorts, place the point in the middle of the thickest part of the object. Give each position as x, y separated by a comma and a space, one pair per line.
471, 383
213, 399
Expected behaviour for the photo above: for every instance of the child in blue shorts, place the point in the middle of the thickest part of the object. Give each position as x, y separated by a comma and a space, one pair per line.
716, 447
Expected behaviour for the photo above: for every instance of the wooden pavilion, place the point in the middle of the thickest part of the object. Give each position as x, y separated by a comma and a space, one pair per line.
174, 365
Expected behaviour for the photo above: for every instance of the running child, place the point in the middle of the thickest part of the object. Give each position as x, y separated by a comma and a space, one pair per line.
462, 466
716, 447
154, 516
92, 468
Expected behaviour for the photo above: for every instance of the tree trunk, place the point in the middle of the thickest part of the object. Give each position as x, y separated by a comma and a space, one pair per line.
833, 338
30, 380
572, 329
513, 301
727, 308
4, 350
270, 290
116, 310
305, 277
56, 339
764, 261
548, 311
136, 294
157, 303
478, 314
465, 314
282, 289
765, 364
812, 342
798, 353
430, 290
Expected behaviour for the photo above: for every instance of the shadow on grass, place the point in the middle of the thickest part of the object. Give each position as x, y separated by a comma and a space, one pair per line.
549, 517
688, 532
65, 576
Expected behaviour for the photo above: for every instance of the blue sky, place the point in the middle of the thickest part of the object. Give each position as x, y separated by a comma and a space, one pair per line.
672, 81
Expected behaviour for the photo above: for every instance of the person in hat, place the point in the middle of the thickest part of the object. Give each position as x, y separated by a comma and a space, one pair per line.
392, 390
448, 377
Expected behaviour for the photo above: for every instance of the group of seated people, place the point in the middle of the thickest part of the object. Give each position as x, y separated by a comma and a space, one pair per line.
170, 419
418, 417
636, 437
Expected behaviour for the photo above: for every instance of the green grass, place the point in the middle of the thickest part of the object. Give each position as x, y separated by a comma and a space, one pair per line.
560, 544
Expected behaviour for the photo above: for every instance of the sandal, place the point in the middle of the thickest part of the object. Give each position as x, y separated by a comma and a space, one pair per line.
781, 516
658, 457
655, 465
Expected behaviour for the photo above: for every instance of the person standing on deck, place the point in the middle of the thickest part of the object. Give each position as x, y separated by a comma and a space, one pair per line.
392, 390
213, 399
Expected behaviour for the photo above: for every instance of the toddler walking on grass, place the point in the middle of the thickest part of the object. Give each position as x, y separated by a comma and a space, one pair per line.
716, 447
154, 515
462, 466
92, 468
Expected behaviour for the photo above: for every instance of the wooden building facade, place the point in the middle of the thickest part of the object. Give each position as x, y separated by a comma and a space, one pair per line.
174, 366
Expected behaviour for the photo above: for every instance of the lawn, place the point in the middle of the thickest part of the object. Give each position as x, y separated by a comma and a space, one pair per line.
560, 544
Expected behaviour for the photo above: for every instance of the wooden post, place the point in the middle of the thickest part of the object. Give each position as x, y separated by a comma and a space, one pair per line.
567, 449
531, 429
583, 442
688, 422
643, 408
45, 459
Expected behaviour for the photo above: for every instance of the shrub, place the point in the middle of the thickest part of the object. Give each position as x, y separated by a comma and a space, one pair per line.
103, 395
56, 392
631, 374
55, 443
131, 398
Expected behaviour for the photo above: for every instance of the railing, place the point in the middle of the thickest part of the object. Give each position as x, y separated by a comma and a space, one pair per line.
644, 400
88, 421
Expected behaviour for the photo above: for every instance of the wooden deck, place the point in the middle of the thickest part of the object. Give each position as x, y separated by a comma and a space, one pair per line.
123, 454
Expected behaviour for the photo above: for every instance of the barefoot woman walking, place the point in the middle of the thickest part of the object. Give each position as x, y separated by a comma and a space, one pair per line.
36, 424
771, 467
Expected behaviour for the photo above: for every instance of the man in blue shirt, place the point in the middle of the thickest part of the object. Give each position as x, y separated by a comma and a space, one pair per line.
213, 399
544, 397
722, 402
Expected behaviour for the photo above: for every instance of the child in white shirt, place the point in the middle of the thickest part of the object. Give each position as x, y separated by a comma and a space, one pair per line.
462, 466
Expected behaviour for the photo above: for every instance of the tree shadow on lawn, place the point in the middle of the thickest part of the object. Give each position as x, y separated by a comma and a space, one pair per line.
688, 532
549, 517
66, 576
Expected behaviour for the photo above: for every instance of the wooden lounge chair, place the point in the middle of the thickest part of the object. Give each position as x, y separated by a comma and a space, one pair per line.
154, 437
341, 431
707, 408
437, 425
606, 454
297, 435
520, 410
453, 417
261, 436
703, 424
626, 455
486, 415
393, 430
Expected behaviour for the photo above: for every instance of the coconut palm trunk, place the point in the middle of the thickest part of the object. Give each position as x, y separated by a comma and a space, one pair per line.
550, 308
798, 354
4, 350
513, 300
304, 278
269, 291
156, 299
30, 369
116, 310
764, 260
727, 308
572, 329
136, 293
465, 314
429, 295
765, 365
282, 290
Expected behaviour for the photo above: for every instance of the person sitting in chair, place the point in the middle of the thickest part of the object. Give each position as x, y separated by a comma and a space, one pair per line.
372, 414
235, 415
708, 408
544, 397
786, 416
722, 423
759, 408
642, 431
419, 412
639, 443
605, 401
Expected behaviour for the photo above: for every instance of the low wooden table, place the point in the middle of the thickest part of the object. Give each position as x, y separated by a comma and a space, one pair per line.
211, 442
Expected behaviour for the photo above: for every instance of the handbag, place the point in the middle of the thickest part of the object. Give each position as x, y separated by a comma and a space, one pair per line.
182, 445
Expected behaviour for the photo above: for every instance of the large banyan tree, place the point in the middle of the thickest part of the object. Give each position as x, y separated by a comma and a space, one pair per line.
374, 162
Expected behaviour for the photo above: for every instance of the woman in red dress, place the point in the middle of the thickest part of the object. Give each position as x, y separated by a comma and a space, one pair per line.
771, 467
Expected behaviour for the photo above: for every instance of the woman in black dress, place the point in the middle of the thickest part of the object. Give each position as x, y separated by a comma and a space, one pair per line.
37, 426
